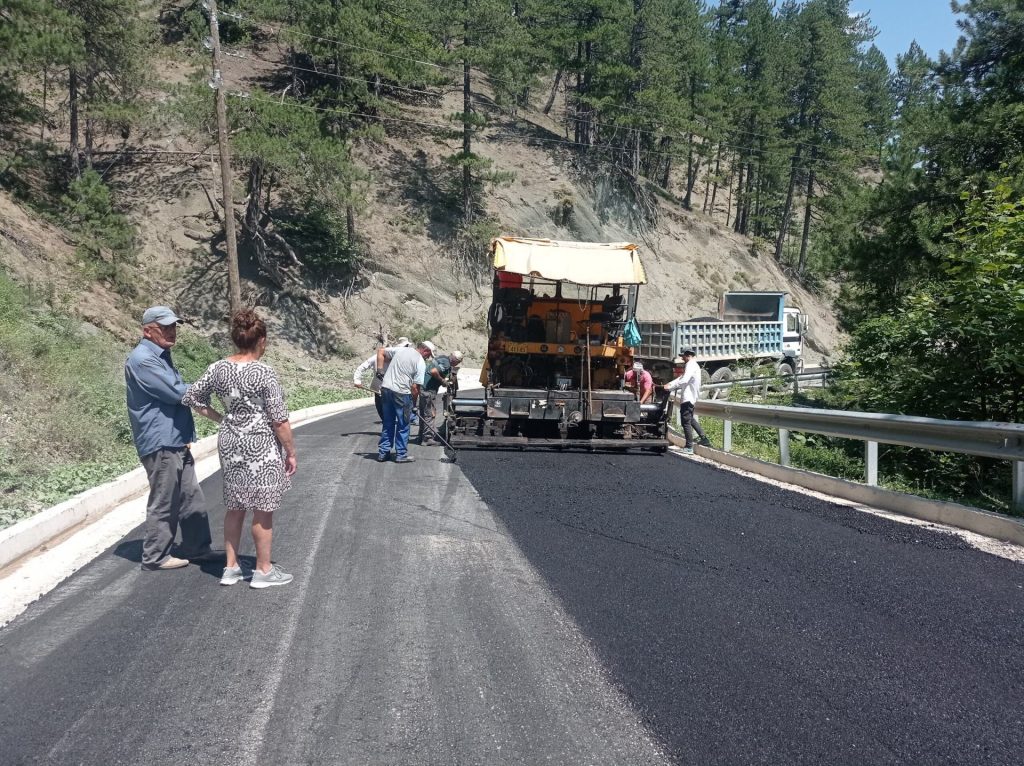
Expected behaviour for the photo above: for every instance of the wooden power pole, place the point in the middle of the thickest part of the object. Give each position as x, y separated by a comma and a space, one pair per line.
217, 83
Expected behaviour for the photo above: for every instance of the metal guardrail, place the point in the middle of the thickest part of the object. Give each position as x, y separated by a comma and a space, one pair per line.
1003, 441
790, 381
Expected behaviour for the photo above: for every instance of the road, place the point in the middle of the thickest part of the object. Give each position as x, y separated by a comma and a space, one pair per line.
527, 608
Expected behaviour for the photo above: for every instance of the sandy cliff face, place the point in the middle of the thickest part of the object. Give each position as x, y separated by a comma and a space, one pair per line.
411, 283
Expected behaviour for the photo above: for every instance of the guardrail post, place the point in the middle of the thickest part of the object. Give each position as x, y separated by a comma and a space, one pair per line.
727, 436
1018, 485
783, 446
871, 463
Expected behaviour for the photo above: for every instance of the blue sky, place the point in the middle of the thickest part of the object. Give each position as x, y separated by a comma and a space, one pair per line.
930, 22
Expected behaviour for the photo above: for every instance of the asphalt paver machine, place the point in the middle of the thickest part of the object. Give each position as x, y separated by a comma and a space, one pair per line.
557, 352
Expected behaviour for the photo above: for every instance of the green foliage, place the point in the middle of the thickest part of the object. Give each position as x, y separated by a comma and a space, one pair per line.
402, 325
64, 402
35, 35
953, 348
301, 397
105, 237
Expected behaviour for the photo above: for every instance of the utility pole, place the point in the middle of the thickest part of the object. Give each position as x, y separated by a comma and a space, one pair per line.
217, 83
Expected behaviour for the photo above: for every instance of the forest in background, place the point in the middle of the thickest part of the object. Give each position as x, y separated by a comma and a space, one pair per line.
902, 184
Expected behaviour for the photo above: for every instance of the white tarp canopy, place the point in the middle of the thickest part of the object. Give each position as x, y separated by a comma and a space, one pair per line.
585, 263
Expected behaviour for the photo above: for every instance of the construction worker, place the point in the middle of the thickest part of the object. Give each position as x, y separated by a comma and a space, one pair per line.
371, 364
399, 389
687, 381
640, 382
439, 372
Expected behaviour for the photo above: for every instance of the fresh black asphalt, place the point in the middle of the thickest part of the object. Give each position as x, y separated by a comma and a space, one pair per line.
531, 607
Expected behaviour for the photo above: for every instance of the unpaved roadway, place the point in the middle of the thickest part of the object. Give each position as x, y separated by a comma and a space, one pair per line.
528, 608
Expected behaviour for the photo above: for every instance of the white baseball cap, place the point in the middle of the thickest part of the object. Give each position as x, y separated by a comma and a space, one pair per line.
428, 345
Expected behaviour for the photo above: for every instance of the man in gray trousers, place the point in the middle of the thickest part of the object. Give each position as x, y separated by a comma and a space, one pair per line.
163, 429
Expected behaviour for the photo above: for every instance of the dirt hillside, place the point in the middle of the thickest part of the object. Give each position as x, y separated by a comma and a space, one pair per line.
411, 284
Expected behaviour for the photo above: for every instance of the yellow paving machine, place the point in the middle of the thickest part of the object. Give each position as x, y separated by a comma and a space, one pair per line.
560, 319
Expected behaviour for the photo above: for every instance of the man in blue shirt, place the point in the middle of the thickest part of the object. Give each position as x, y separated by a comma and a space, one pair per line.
439, 369
163, 430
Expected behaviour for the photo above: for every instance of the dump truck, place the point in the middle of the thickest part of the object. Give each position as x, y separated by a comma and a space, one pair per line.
556, 355
755, 333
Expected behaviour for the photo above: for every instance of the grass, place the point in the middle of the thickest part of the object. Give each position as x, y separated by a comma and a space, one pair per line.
63, 426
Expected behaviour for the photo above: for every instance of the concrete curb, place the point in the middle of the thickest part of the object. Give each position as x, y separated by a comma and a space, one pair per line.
46, 526
974, 520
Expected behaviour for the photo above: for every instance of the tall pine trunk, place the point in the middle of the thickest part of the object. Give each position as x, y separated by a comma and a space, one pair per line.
90, 124
787, 209
74, 151
691, 174
808, 202
666, 171
554, 92
714, 188
467, 105
739, 198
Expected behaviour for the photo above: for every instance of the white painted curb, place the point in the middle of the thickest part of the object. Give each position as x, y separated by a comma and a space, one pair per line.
32, 533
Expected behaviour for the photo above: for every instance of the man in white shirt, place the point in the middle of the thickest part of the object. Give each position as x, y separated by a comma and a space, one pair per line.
687, 382
399, 389
371, 364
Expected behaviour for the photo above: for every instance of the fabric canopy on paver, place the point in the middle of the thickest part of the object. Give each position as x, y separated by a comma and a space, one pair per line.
585, 263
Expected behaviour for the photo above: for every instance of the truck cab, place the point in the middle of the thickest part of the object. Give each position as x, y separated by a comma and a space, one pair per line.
793, 332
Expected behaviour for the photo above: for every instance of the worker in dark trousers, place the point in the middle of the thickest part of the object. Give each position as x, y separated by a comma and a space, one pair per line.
687, 382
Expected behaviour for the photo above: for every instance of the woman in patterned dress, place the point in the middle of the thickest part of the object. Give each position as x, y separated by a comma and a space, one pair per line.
257, 452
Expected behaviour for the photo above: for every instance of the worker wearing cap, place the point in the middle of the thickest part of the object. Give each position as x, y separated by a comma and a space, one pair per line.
399, 389
163, 430
439, 372
371, 364
687, 382
640, 381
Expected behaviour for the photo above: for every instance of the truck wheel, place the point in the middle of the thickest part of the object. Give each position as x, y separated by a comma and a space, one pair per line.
722, 375
785, 372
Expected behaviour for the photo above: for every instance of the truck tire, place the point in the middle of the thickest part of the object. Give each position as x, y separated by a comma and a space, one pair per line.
722, 375
785, 372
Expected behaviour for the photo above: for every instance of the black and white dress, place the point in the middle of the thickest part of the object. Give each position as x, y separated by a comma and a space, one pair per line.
251, 458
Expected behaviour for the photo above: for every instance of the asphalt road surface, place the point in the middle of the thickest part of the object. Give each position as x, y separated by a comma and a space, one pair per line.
529, 608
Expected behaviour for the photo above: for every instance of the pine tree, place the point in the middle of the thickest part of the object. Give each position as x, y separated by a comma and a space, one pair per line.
105, 80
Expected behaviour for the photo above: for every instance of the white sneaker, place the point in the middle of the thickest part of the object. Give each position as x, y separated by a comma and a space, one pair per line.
232, 575
274, 577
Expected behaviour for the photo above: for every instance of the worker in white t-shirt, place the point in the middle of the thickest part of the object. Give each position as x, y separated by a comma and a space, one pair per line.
687, 382
399, 389
371, 364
